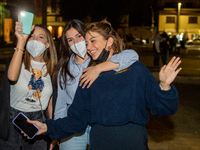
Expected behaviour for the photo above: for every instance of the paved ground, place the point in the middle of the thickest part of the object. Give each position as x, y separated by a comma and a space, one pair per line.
180, 131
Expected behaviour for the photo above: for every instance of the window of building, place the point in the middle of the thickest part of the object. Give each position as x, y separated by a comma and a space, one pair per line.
192, 20
59, 19
170, 19
171, 5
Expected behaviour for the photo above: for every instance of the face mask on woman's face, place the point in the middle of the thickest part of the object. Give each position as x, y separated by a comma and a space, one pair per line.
103, 56
35, 48
79, 49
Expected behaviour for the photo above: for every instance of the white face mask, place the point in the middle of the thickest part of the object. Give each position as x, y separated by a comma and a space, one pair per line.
35, 48
79, 48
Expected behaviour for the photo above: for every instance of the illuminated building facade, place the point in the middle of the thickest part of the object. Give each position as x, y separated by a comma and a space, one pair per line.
55, 21
179, 17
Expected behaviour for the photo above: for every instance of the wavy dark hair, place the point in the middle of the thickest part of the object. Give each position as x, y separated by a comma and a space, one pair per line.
62, 67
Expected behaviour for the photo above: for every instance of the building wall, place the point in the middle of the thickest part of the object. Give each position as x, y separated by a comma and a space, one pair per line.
55, 21
183, 24
192, 30
166, 27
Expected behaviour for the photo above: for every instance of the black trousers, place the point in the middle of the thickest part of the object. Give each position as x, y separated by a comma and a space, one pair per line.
17, 141
126, 137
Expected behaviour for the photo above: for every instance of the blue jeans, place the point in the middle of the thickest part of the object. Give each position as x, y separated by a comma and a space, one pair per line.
76, 142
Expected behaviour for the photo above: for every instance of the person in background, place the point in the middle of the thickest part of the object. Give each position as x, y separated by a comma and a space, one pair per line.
173, 42
156, 49
116, 104
164, 48
73, 62
161, 48
129, 39
27, 86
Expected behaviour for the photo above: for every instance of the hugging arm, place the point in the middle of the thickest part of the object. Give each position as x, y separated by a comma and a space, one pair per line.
117, 62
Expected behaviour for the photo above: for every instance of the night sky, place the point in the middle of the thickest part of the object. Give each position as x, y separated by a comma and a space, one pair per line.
139, 10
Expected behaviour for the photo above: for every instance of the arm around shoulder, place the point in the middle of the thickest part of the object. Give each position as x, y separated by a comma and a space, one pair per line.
118, 61
125, 59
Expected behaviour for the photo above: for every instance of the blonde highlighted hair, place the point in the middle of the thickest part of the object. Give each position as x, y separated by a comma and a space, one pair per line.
105, 29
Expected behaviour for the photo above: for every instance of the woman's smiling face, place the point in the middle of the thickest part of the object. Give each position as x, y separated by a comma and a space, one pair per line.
95, 44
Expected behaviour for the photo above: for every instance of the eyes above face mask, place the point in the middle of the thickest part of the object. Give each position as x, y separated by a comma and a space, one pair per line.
35, 48
79, 49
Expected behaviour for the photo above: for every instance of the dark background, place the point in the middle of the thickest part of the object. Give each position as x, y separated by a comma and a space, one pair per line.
140, 13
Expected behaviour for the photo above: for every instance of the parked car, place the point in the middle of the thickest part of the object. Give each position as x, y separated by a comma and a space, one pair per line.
195, 41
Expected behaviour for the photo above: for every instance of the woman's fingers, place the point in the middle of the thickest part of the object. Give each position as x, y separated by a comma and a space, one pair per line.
178, 70
18, 27
171, 61
163, 68
174, 62
82, 81
25, 135
177, 64
85, 83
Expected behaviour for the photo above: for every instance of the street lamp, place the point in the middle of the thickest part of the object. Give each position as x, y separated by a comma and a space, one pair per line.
179, 8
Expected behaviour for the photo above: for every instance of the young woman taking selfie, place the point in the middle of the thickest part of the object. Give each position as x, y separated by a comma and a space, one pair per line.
28, 87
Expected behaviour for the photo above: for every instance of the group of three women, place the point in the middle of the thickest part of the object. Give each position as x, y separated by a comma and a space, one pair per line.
107, 102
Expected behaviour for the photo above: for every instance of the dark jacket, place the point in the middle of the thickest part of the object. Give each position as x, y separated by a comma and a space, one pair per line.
114, 100
5, 104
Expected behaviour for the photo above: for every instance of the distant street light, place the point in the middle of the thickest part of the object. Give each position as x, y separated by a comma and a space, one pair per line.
179, 8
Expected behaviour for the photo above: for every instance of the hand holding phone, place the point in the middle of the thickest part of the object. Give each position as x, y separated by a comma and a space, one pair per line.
20, 121
27, 19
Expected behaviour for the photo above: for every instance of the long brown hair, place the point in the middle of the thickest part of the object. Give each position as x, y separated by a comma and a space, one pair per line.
62, 68
50, 54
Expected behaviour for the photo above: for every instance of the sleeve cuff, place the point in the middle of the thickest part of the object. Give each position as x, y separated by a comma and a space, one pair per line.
162, 89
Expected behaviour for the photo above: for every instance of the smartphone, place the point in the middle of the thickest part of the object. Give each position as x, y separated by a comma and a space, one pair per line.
27, 19
20, 121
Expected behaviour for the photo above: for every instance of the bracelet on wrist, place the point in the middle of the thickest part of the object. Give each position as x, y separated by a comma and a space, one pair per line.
19, 49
